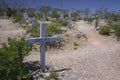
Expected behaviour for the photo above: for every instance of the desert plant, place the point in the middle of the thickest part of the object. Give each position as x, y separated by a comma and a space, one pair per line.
53, 75
53, 28
75, 48
17, 18
11, 60
61, 22
104, 30
116, 28
75, 44
74, 16
90, 19
47, 78
67, 35
35, 31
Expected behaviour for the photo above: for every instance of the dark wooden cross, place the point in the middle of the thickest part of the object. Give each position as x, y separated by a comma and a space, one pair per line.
42, 40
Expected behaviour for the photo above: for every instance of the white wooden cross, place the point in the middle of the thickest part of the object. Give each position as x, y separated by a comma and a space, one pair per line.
69, 16
42, 39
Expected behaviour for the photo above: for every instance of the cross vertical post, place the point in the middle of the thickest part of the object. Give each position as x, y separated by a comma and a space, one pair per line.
96, 24
42, 40
42, 47
69, 19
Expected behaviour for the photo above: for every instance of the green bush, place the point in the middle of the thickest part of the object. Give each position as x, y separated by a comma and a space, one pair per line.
47, 78
90, 19
53, 75
75, 44
67, 35
11, 60
74, 16
116, 28
17, 18
61, 22
10, 12
53, 28
35, 32
105, 30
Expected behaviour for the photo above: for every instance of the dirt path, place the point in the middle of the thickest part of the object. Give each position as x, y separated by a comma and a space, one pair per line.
8, 29
98, 60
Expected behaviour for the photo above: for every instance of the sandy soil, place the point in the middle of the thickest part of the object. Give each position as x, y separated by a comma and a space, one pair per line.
8, 29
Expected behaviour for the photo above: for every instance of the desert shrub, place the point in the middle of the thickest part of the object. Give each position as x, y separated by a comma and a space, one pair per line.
61, 22
67, 35
53, 28
75, 48
39, 16
53, 75
105, 30
65, 15
75, 44
35, 32
55, 14
90, 19
11, 60
10, 12
17, 18
74, 16
116, 28
47, 78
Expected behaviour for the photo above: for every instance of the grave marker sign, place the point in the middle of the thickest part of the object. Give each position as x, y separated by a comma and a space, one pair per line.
42, 40
25, 15
69, 19
96, 24
34, 20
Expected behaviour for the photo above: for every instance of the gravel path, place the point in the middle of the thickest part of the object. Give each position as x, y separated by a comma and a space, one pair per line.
98, 60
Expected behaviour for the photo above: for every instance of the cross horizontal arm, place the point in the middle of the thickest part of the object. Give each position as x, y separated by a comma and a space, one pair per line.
43, 39
33, 40
50, 39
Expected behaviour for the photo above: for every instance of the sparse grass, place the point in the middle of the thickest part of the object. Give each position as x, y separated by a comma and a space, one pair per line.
47, 78
53, 75
75, 48
75, 44
67, 35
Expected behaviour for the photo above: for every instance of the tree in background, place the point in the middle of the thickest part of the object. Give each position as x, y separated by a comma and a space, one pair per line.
55, 13
10, 12
74, 16
78, 13
31, 11
86, 13
102, 13
3, 7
